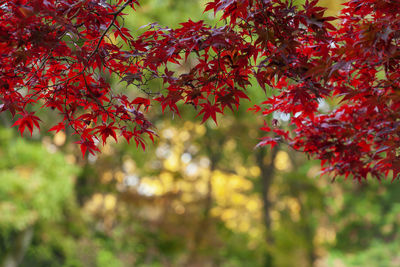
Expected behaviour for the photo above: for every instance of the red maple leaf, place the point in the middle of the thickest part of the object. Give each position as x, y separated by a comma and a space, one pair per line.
28, 120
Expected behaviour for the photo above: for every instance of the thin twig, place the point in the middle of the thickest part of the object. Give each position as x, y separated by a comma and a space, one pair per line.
115, 15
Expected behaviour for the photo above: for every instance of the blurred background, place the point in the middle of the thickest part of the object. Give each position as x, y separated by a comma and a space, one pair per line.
200, 196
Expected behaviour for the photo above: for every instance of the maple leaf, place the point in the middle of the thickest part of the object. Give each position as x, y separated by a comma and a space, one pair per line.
28, 120
87, 145
107, 130
209, 110
141, 101
60, 126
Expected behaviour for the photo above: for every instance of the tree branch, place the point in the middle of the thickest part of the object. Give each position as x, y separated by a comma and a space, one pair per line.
115, 16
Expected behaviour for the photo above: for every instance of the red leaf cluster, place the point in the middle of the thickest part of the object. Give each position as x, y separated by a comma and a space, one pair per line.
55, 54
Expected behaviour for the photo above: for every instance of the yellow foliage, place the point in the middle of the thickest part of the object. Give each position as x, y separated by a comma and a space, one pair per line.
282, 161
59, 138
151, 186
129, 165
119, 176
110, 202
235, 204
200, 130
294, 208
254, 171
172, 163
106, 177
167, 181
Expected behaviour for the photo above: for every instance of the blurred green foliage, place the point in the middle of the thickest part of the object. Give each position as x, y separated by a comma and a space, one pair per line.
37, 182
35, 190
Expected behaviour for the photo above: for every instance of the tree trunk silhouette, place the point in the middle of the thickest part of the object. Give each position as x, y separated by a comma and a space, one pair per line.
266, 164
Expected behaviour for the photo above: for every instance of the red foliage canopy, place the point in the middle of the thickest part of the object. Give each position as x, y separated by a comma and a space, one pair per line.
53, 54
